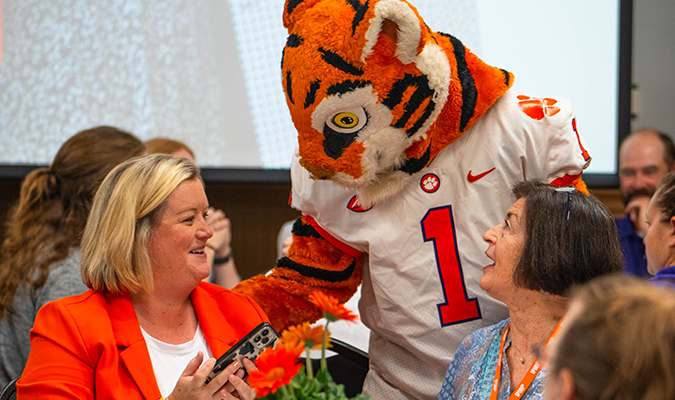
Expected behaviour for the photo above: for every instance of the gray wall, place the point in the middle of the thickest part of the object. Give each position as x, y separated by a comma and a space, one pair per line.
154, 68
654, 64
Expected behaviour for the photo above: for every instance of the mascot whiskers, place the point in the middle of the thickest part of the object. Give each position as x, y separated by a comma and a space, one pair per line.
408, 145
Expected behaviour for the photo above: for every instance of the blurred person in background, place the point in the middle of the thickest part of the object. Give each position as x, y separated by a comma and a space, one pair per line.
644, 157
618, 343
660, 238
40, 256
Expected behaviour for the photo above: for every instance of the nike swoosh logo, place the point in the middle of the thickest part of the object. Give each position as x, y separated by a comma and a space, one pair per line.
473, 178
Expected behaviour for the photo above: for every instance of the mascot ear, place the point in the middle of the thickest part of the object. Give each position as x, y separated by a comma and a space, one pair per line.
399, 22
294, 9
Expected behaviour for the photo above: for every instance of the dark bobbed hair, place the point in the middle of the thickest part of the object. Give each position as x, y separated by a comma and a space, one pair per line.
558, 252
665, 196
621, 343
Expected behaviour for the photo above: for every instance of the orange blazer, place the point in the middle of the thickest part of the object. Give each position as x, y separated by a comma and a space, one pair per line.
90, 346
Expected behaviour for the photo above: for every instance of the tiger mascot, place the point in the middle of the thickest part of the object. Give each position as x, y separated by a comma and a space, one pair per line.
408, 147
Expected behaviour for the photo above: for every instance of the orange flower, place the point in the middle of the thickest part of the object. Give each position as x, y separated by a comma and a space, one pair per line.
293, 345
311, 336
276, 368
332, 311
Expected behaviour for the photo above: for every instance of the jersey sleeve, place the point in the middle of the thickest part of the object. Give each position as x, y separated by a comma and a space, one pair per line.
556, 152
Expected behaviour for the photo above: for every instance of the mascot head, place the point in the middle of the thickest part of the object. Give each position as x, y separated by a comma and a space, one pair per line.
374, 94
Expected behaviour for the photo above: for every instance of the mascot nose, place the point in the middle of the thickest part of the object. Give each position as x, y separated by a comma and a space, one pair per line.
317, 173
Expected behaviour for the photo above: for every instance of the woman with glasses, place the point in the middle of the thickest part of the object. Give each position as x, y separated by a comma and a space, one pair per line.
551, 239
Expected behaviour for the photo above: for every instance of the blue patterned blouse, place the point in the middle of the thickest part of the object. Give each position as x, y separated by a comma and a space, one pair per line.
472, 370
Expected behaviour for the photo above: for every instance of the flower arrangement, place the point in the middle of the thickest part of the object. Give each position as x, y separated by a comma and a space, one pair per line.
281, 376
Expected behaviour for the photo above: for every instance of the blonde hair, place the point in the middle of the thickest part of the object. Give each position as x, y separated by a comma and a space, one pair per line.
114, 244
621, 345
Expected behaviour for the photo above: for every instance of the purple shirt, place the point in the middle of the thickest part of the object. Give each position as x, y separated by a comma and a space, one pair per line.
633, 249
665, 277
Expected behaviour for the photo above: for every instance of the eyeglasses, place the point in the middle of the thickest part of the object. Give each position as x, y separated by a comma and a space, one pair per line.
569, 190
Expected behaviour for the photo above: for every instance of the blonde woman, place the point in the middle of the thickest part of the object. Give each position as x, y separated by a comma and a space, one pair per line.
148, 322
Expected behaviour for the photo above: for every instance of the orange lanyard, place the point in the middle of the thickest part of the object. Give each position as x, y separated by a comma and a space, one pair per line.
531, 373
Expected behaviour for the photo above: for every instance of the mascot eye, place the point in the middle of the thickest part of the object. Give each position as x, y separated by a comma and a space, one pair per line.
348, 121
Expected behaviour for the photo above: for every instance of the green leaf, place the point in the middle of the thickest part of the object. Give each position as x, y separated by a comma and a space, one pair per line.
273, 396
324, 377
322, 387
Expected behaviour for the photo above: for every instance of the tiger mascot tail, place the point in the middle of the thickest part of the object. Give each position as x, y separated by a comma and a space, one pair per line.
375, 95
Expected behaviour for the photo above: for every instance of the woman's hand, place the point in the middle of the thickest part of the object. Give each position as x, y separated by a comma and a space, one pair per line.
237, 386
222, 235
226, 385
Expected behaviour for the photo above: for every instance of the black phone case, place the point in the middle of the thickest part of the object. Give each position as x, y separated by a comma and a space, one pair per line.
250, 346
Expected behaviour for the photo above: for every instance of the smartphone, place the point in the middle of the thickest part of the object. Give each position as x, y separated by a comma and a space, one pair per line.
250, 346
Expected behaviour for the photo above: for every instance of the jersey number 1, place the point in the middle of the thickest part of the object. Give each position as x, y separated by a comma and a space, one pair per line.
438, 226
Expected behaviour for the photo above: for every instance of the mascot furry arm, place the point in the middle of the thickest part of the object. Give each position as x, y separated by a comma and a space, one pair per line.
376, 96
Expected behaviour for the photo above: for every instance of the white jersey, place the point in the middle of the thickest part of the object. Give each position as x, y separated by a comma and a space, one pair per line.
424, 246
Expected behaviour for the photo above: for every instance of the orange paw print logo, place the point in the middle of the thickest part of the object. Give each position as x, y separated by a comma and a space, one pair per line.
537, 108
